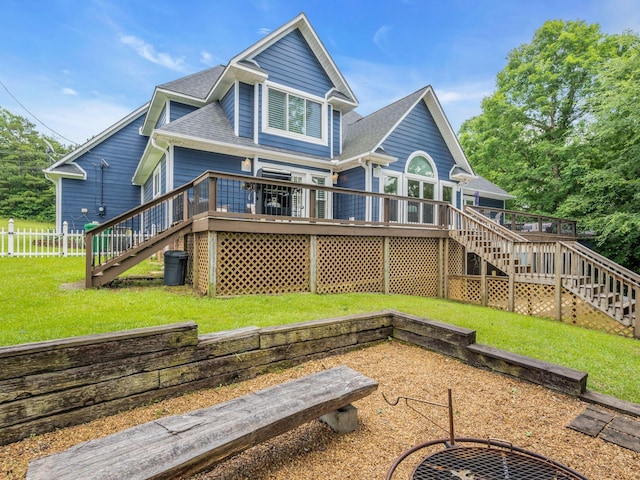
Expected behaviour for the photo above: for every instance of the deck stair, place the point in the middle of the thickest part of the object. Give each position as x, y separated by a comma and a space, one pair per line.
600, 282
607, 286
121, 243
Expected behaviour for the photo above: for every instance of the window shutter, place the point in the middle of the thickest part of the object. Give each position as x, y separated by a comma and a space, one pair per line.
314, 119
277, 109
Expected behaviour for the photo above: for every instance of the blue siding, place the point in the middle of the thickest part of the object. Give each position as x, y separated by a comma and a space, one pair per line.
162, 119
291, 62
246, 110
491, 202
344, 206
353, 179
188, 164
228, 104
335, 131
179, 110
114, 189
418, 131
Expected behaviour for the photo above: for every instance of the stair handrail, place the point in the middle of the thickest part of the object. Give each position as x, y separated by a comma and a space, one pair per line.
603, 262
494, 226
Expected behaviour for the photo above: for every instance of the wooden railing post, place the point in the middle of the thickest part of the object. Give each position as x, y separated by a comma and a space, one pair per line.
88, 247
312, 203
213, 194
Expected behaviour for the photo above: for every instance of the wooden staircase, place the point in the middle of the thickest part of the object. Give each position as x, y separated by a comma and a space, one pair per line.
121, 243
607, 286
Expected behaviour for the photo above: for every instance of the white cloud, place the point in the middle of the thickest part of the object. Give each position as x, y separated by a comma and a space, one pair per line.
77, 119
148, 52
206, 58
377, 85
264, 31
380, 36
69, 91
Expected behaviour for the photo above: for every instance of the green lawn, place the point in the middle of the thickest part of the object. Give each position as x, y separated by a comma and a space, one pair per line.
25, 224
34, 307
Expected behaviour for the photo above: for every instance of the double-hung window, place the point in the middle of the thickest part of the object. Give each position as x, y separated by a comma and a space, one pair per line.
294, 115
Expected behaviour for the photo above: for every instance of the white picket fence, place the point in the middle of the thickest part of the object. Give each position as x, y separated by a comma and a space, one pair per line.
40, 243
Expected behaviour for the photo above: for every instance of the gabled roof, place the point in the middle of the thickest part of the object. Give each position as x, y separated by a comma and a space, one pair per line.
208, 128
191, 90
197, 85
365, 136
241, 63
65, 166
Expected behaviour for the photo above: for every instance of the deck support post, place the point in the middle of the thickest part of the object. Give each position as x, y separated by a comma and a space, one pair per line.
213, 262
512, 277
483, 282
558, 279
386, 265
313, 263
443, 267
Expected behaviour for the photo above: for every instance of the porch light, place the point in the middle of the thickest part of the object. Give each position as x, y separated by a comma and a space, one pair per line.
377, 171
334, 177
246, 165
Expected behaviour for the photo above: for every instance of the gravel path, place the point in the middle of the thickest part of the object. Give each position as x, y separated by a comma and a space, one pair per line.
487, 405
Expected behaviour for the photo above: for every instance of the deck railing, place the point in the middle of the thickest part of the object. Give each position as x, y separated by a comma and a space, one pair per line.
526, 223
237, 196
243, 197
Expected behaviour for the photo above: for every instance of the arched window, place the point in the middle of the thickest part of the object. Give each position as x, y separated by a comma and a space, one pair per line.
419, 165
420, 182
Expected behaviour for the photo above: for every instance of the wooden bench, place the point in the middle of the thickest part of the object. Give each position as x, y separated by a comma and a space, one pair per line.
186, 444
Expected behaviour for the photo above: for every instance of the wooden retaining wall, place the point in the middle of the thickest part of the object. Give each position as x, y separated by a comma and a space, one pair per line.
54, 384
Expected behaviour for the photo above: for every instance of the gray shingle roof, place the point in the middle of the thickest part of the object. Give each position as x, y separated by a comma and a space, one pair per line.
210, 123
365, 134
481, 184
196, 85
66, 168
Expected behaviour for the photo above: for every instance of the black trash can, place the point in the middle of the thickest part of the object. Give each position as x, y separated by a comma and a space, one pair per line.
175, 267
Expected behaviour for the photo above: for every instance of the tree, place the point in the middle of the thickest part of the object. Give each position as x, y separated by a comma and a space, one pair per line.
562, 132
608, 201
24, 153
528, 137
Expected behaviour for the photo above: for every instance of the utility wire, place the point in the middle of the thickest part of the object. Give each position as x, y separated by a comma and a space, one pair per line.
35, 117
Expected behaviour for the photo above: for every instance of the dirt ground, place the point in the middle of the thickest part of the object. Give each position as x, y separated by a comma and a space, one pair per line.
487, 405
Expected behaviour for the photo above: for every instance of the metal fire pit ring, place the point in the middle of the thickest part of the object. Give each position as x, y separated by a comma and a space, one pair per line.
480, 459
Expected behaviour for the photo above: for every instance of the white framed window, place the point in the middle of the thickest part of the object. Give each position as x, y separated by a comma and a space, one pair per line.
293, 114
157, 181
448, 192
421, 179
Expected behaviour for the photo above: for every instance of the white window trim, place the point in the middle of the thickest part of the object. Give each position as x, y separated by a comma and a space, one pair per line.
323, 140
454, 189
420, 153
156, 188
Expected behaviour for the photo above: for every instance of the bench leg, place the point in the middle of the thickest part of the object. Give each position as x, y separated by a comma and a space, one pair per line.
343, 420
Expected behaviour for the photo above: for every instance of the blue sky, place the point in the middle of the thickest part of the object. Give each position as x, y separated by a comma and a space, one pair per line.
79, 66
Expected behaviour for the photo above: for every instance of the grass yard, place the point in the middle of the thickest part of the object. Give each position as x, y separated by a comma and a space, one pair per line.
34, 306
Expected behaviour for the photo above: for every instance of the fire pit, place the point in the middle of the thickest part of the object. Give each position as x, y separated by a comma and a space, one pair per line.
478, 459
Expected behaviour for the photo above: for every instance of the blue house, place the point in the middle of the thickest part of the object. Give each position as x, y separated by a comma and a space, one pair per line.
280, 109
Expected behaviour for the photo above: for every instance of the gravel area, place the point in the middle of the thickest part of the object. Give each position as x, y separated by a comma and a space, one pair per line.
487, 405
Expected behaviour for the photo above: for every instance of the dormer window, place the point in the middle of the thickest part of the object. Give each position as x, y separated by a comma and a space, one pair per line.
294, 115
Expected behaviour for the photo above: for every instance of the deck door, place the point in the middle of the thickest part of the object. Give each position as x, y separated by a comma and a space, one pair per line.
419, 212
